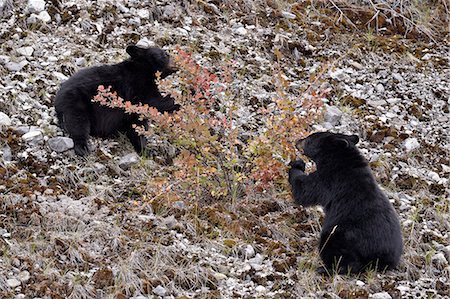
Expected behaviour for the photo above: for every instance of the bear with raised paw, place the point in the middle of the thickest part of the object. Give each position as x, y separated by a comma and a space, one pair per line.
361, 230
134, 80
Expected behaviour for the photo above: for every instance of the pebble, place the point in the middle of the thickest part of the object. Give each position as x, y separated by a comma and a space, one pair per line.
249, 251
4, 120
288, 15
80, 61
44, 17
6, 153
128, 160
13, 283
60, 144
33, 137
379, 88
403, 289
143, 13
36, 6
381, 295
411, 144
241, 31
397, 77
220, 276
160, 291
16, 66
439, 260
332, 115
376, 103
360, 283
25, 51
260, 289
24, 276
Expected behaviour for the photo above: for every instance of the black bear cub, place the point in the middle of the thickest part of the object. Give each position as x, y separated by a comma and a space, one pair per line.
134, 80
361, 230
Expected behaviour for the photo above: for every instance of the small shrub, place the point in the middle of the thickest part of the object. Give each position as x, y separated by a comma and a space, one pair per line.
213, 157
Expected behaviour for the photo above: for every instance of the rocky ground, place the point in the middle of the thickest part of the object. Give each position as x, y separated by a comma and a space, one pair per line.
102, 227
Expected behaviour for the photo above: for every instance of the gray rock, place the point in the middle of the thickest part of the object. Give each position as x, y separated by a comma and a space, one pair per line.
332, 115
379, 88
7, 154
376, 103
25, 51
81, 61
249, 251
128, 160
288, 15
24, 276
60, 144
4, 120
13, 283
33, 137
35, 6
169, 12
241, 31
44, 17
381, 295
159, 291
439, 260
411, 144
397, 77
16, 66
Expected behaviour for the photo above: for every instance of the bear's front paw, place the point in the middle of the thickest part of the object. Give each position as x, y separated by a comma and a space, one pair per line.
81, 148
298, 164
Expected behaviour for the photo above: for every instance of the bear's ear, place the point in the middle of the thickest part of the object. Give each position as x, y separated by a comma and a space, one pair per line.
135, 51
341, 142
353, 139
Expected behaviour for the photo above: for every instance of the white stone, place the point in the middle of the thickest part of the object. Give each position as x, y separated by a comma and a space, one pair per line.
25, 51
16, 66
36, 5
4, 120
288, 15
241, 31
143, 13
219, 276
249, 251
60, 76
379, 88
60, 144
439, 260
338, 74
445, 168
332, 115
4, 59
33, 136
145, 43
393, 101
411, 144
128, 160
403, 289
160, 291
260, 289
13, 283
24, 276
397, 77
376, 103
6, 153
360, 283
44, 16
381, 295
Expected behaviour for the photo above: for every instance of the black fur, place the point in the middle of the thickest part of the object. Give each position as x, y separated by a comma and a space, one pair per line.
132, 79
361, 230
